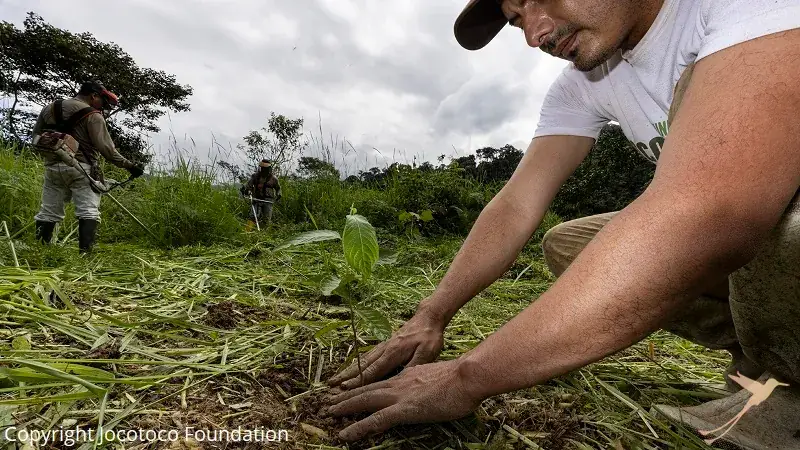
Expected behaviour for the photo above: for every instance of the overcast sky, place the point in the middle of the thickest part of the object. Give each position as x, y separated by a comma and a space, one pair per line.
385, 75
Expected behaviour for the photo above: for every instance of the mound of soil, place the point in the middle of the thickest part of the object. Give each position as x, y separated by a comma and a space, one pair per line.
222, 315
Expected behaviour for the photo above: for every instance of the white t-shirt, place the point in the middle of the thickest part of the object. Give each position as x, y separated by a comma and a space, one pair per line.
635, 87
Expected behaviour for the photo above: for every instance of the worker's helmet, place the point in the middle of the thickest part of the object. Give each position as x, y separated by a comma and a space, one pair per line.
97, 87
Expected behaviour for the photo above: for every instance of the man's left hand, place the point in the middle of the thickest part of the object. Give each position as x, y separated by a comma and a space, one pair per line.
427, 393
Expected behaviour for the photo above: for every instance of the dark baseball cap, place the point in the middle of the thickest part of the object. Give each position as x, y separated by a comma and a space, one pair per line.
479, 23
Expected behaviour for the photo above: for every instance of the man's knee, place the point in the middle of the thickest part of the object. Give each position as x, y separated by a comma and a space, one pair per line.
52, 204
765, 300
562, 243
87, 203
558, 247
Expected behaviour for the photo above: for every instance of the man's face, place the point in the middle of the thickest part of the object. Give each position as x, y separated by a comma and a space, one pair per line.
96, 102
586, 32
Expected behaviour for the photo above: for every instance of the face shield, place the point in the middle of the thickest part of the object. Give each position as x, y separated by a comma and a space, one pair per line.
110, 103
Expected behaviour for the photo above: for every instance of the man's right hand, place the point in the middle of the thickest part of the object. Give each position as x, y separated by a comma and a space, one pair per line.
136, 171
418, 341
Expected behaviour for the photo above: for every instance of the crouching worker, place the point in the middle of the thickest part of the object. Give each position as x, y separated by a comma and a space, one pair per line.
69, 134
265, 190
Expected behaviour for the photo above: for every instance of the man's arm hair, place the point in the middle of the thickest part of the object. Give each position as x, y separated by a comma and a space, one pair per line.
101, 140
506, 224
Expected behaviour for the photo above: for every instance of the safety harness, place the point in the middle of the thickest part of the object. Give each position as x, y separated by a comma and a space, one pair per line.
59, 138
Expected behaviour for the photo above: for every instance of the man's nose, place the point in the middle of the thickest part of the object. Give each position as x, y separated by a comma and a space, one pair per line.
536, 24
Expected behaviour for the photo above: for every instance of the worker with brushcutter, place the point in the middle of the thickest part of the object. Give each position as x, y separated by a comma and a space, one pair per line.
708, 90
262, 189
70, 134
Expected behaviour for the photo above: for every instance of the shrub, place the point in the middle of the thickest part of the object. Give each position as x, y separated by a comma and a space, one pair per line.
611, 177
181, 206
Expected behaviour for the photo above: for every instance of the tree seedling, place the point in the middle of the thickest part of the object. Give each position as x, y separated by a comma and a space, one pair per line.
362, 254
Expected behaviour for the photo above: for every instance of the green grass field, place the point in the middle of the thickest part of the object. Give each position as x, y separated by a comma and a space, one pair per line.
209, 327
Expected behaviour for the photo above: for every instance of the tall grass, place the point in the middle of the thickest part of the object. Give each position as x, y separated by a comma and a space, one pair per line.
181, 203
21, 177
181, 206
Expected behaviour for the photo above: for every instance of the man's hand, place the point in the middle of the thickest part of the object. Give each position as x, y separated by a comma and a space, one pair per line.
136, 171
418, 341
423, 394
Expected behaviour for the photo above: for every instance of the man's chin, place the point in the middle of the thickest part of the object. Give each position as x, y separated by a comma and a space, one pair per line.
587, 64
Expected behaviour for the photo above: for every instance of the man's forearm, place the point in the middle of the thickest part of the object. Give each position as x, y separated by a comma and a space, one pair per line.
624, 285
116, 158
492, 246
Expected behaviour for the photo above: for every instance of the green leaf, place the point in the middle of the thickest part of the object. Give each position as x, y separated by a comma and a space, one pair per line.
333, 325
343, 289
58, 374
51, 399
386, 257
329, 284
7, 418
376, 322
102, 340
309, 237
426, 215
21, 343
360, 244
404, 217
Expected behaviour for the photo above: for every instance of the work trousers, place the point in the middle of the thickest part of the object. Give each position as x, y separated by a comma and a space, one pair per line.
62, 184
757, 308
261, 211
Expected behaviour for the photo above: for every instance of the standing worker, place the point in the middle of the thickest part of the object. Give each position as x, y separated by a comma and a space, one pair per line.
80, 117
265, 189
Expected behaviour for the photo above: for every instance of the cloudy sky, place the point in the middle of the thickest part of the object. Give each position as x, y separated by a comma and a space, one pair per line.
388, 76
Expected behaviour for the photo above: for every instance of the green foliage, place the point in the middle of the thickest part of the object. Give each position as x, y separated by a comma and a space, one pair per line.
360, 245
377, 323
181, 206
412, 221
611, 177
311, 167
309, 237
361, 253
41, 63
491, 164
278, 142
21, 177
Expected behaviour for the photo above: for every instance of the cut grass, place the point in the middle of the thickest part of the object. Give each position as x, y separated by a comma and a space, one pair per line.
221, 337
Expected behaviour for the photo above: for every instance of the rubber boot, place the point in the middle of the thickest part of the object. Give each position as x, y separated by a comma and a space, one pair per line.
44, 231
87, 231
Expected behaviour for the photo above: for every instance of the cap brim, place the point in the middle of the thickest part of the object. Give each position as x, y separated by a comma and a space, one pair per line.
110, 97
479, 23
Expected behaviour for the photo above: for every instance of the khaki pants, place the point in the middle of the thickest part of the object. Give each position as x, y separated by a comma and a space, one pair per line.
62, 184
757, 307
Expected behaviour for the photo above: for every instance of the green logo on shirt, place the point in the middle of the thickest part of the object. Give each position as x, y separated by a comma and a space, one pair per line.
655, 144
